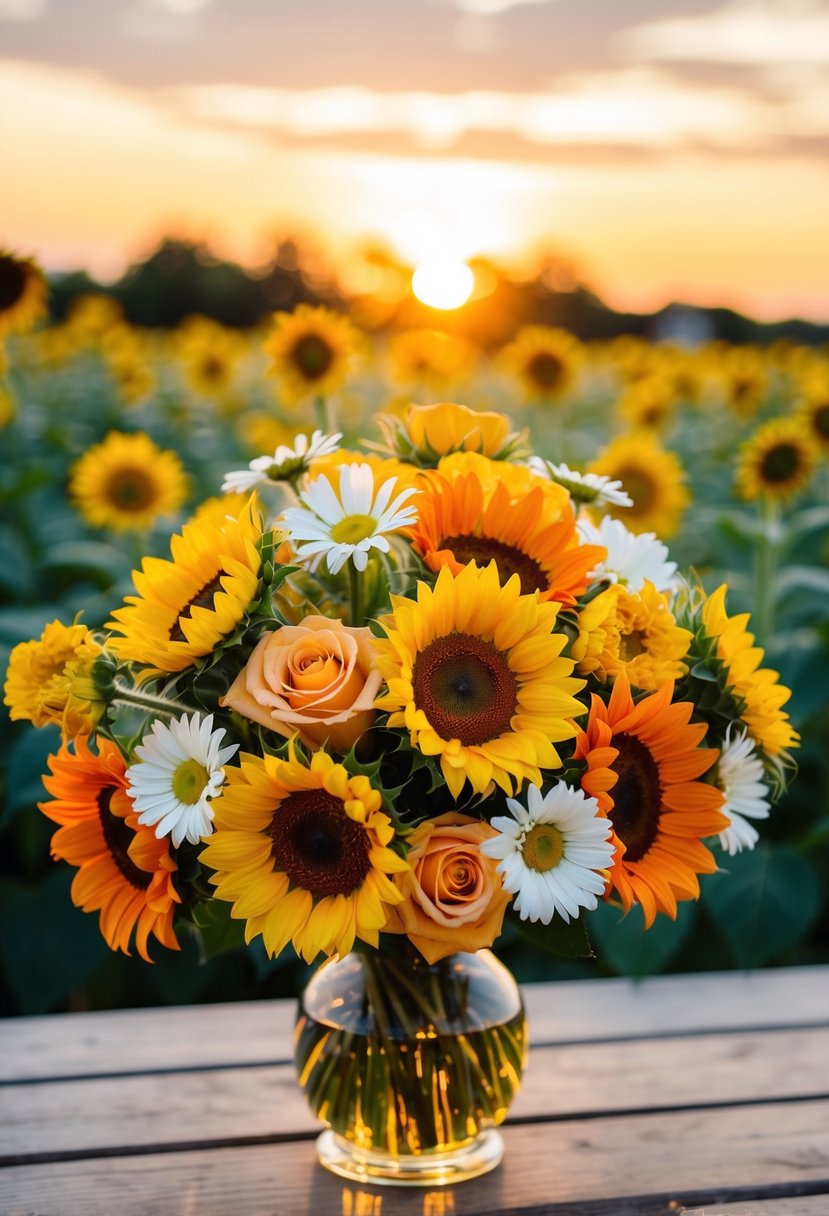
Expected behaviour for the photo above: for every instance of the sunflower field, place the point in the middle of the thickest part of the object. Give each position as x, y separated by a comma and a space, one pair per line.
114, 435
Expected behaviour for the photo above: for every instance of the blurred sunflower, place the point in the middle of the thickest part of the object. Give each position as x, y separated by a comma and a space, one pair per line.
778, 461
23, 293
209, 355
126, 483
186, 606
302, 852
475, 674
649, 404
124, 871
543, 360
313, 351
745, 377
431, 358
654, 479
814, 411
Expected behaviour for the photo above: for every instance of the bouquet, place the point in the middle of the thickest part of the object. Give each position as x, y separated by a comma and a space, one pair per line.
403, 693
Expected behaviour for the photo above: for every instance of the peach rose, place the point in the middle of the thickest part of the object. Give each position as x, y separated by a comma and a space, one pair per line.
317, 678
454, 898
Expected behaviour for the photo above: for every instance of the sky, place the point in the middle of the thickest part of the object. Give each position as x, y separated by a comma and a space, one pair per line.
671, 149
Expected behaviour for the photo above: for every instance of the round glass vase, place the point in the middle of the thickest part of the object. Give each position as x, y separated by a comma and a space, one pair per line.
411, 1065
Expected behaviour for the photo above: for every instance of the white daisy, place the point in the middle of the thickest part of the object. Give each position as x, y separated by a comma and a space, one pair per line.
740, 777
350, 525
551, 852
584, 488
178, 773
287, 463
631, 560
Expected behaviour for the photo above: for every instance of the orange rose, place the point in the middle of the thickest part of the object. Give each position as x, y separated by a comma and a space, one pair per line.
454, 898
317, 678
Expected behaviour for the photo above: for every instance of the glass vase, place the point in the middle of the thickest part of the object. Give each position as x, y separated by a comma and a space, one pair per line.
411, 1065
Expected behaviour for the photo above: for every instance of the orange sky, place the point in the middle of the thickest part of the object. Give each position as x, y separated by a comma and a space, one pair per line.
702, 178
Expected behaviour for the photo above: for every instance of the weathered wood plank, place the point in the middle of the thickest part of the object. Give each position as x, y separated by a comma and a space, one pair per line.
576, 1079
638, 1166
806, 1205
260, 1031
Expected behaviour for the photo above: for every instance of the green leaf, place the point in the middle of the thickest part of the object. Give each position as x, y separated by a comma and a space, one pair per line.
626, 946
217, 931
565, 940
27, 764
763, 901
48, 946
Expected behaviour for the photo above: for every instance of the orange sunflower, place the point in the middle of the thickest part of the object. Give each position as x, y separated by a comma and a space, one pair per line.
464, 520
124, 871
643, 768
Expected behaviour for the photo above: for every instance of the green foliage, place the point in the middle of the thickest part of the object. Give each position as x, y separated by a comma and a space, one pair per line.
623, 944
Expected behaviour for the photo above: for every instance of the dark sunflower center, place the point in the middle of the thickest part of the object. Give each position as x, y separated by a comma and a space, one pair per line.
545, 369
131, 490
465, 688
118, 837
639, 486
820, 420
313, 356
12, 282
212, 367
202, 599
508, 559
318, 846
780, 463
637, 797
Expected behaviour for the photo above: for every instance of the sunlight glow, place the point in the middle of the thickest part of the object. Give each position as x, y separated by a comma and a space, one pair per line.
443, 284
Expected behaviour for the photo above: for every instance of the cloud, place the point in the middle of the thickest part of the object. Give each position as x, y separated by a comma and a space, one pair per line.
21, 10
753, 32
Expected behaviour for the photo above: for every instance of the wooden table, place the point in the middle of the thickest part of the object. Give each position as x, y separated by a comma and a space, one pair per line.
706, 1094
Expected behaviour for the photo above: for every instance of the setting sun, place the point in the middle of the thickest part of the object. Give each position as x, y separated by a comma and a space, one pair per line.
443, 284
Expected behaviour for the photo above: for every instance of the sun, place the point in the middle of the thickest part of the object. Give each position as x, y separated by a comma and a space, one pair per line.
443, 284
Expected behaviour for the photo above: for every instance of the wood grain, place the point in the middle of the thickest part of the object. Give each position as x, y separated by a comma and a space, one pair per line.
265, 1103
806, 1205
647, 1165
257, 1032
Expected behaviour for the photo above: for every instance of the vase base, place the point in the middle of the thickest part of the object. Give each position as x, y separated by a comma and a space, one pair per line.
425, 1169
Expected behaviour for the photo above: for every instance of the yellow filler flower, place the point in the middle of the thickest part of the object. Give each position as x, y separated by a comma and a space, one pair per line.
49, 681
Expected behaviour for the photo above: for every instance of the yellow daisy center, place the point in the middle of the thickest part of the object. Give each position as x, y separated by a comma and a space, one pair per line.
12, 282
118, 838
543, 847
780, 463
509, 559
464, 686
353, 529
312, 356
637, 796
318, 846
189, 781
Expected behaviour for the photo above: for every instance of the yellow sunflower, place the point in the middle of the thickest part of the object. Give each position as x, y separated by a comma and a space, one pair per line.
124, 871
23, 293
543, 360
649, 404
313, 351
643, 767
814, 413
475, 674
126, 483
431, 358
757, 687
778, 461
745, 376
635, 632
186, 606
49, 681
652, 476
302, 852
209, 354
89, 317
461, 520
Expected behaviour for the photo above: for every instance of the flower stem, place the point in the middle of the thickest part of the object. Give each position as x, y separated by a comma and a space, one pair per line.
125, 695
355, 579
321, 411
765, 572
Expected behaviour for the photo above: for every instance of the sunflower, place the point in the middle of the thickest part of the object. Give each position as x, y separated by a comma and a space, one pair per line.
649, 789
634, 631
814, 412
302, 852
50, 681
653, 478
431, 358
544, 361
23, 293
124, 871
461, 520
209, 354
313, 350
745, 377
475, 673
757, 687
186, 606
126, 483
648, 405
778, 461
